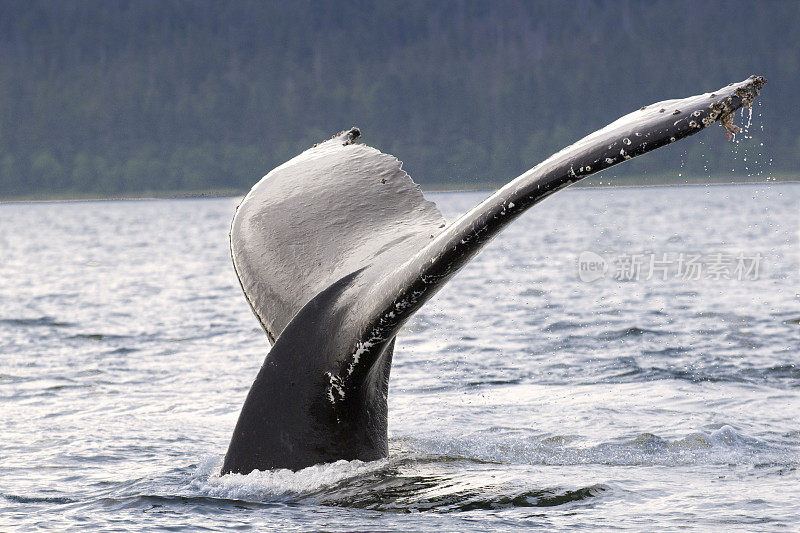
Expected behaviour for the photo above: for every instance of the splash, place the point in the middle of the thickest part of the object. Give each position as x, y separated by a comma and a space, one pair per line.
281, 484
746, 147
409, 482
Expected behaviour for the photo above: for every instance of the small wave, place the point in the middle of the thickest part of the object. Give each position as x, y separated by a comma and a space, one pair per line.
628, 332
444, 484
720, 444
637, 374
725, 317
788, 371
122, 351
46, 321
626, 370
538, 498
395, 492
564, 325
97, 336
36, 499
156, 502
669, 351
532, 292
493, 382
745, 339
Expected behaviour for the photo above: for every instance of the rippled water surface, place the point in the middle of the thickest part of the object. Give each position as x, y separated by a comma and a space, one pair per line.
520, 396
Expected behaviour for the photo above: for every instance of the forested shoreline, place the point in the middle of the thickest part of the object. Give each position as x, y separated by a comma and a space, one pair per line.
119, 97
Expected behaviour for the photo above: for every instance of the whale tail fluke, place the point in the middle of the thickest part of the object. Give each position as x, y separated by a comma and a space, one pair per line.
337, 248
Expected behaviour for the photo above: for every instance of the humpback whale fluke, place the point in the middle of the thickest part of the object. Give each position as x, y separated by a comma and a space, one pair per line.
337, 248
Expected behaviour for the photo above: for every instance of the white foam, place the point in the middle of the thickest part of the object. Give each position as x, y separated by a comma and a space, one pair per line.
271, 483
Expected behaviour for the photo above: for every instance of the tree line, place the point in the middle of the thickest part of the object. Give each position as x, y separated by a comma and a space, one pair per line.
113, 96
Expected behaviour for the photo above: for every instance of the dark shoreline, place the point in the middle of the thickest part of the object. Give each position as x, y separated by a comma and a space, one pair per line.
596, 182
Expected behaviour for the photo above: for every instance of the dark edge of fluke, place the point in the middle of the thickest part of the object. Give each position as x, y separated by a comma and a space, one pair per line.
335, 251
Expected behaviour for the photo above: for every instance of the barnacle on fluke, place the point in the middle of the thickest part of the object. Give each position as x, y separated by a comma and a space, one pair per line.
731, 129
724, 110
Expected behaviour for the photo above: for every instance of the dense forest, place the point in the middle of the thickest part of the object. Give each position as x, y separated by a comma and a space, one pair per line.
103, 97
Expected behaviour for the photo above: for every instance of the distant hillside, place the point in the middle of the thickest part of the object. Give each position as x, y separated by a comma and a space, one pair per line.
106, 97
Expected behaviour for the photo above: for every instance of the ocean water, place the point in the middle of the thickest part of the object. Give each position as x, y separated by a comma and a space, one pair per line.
662, 395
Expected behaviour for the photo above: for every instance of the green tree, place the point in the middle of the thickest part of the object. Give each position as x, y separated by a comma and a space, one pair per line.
189, 94
9, 174
83, 175
47, 172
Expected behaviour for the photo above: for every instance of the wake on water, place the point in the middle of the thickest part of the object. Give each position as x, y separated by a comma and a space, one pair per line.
492, 476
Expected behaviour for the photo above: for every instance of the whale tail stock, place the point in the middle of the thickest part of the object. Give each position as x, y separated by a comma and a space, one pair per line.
337, 248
